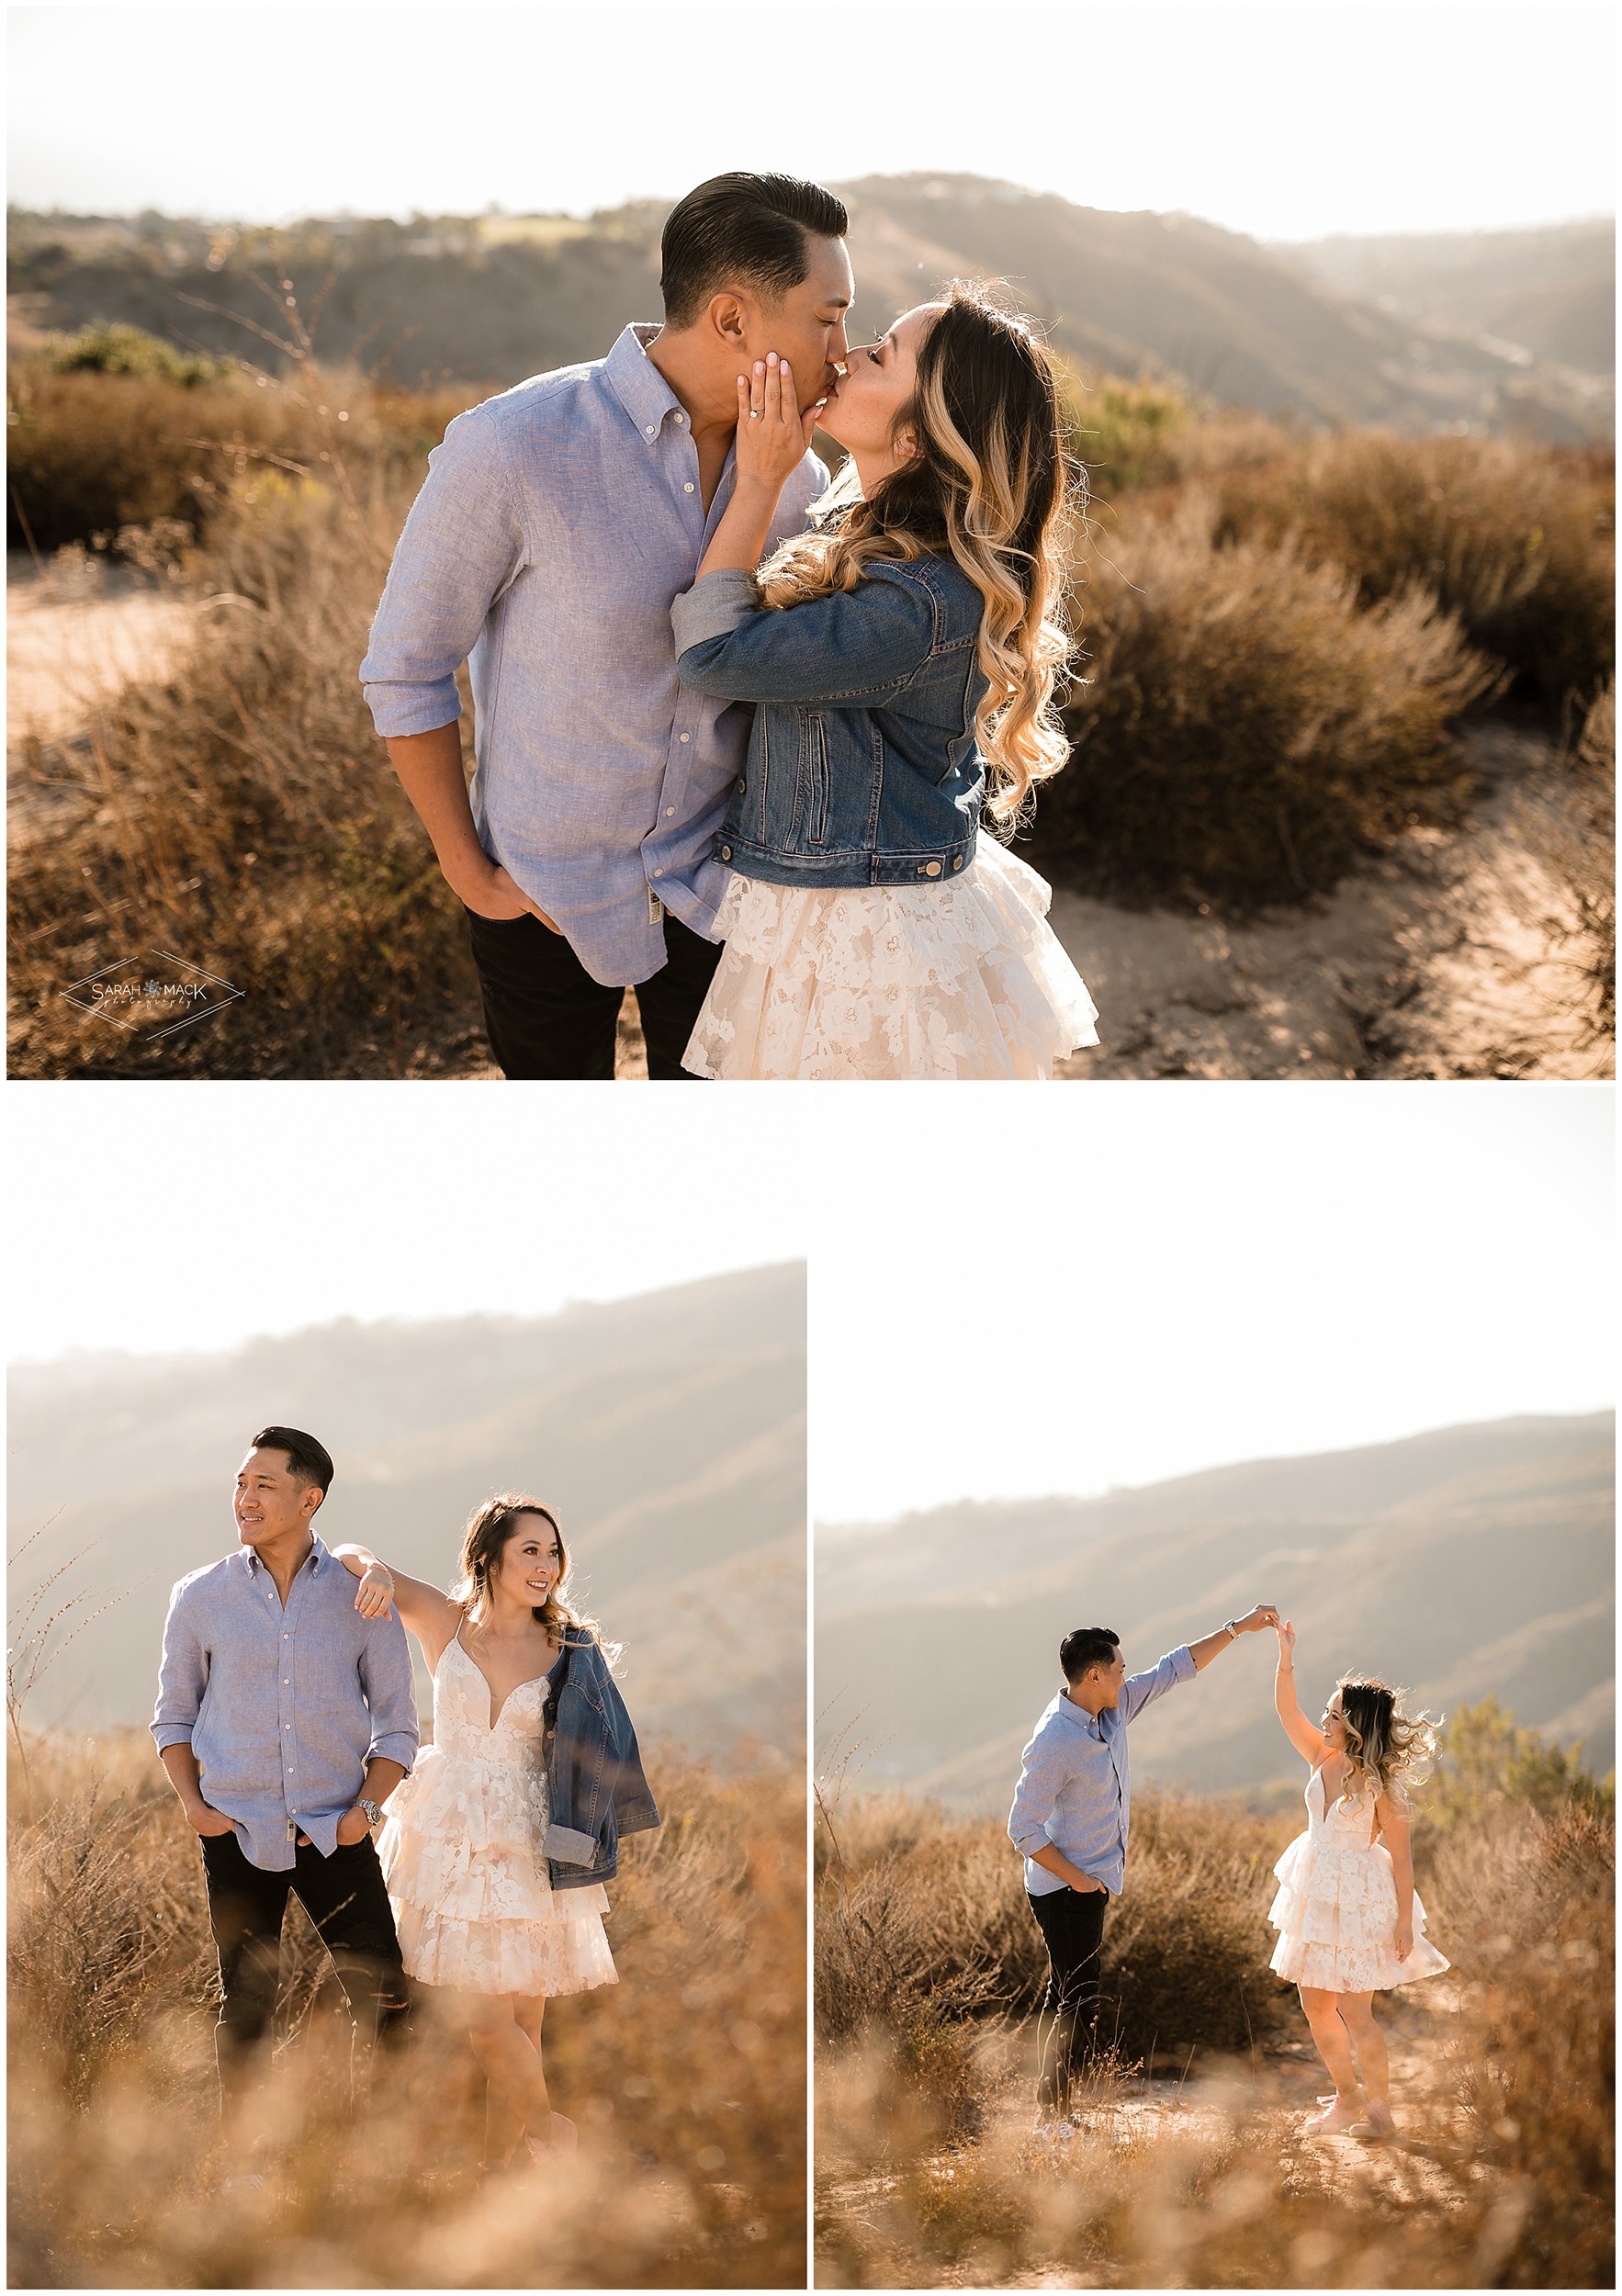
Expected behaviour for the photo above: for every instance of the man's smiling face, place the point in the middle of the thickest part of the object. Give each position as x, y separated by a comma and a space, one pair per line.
271, 1502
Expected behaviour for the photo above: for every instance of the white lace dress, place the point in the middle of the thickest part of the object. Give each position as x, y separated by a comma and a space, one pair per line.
962, 980
461, 1853
1337, 1908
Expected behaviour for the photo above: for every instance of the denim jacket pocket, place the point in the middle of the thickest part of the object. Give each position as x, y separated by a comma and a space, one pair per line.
814, 749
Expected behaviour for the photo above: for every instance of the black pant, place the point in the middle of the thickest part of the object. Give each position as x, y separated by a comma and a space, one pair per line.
1072, 1924
343, 1896
546, 1016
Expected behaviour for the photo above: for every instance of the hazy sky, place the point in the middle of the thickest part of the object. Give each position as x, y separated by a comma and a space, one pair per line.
156, 1216
1140, 1281
1284, 121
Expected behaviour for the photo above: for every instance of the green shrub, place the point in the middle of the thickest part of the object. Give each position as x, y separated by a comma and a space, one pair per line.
1245, 733
1486, 1766
1519, 541
122, 350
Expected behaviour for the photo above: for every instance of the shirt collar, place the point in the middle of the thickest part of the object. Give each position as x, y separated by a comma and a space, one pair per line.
1091, 1723
318, 1554
638, 384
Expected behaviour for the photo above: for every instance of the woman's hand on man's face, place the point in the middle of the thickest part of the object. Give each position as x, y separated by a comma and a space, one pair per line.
773, 436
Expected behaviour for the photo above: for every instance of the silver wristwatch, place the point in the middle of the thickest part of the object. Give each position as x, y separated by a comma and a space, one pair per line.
1232, 1626
374, 1815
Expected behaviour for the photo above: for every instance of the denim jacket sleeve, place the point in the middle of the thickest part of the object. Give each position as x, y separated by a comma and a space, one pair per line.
859, 645
462, 544
594, 1774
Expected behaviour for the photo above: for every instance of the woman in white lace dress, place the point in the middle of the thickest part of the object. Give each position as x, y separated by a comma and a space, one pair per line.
902, 660
1349, 1920
464, 1846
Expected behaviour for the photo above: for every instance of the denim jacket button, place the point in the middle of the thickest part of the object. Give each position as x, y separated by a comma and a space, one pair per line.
741, 782
931, 869
726, 852
958, 862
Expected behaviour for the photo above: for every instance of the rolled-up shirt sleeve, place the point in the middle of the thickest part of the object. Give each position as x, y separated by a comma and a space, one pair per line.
183, 1675
1040, 1776
386, 1678
461, 547
1139, 1691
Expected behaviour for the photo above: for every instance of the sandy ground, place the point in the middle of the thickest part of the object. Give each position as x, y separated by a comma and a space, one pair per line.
1433, 962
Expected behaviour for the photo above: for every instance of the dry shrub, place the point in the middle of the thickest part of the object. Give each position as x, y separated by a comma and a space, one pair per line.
919, 1909
1245, 732
242, 815
1517, 540
1507, 2182
89, 452
687, 2079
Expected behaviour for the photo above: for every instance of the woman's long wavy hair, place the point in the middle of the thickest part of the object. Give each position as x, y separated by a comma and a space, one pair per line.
489, 1526
1388, 1751
989, 483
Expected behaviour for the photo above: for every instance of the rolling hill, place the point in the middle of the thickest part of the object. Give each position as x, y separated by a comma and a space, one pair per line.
1467, 1562
493, 298
669, 1432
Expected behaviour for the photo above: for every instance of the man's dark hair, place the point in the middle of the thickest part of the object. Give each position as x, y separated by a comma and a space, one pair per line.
751, 228
1085, 1647
308, 1461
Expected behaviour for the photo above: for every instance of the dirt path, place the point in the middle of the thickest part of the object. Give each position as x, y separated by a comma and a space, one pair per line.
1435, 961
1153, 2130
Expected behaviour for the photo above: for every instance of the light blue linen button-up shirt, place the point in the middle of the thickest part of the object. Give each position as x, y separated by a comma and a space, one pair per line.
282, 1708
1074, 1787
556, 524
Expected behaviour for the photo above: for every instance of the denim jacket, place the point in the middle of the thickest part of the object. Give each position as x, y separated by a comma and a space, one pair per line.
595, 1787
862, 767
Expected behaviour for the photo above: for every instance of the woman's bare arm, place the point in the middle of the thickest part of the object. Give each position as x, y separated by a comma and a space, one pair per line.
426, 1611
1309, 1741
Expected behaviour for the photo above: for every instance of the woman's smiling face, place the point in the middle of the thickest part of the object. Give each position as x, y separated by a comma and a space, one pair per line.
1333, 1722
879, 381
531, 1563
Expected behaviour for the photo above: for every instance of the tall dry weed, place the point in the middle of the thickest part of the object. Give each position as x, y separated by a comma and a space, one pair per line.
687, 2079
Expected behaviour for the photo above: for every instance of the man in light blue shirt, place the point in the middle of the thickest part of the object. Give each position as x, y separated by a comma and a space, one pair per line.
1070, 1817
285, 1720
556, 524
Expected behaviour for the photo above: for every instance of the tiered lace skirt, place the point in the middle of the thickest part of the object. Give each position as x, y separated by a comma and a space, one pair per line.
1336, 1916
963, 980
473, 1902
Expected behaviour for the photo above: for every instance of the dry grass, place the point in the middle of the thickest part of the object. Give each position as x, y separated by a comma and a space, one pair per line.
928, 2173
687, 2079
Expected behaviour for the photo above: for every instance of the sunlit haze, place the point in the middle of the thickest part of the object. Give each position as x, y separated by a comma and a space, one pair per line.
1285, 122
1148, 1279
161, 1218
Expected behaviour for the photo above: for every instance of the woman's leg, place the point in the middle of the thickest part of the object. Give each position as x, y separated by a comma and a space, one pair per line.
1332, 2044
1357, 2014
529, 2011
509, 2058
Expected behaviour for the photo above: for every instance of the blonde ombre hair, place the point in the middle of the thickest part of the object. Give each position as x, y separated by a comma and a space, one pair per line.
987, 484
1387, 1751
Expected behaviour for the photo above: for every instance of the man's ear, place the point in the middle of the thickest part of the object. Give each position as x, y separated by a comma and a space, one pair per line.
730, 320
